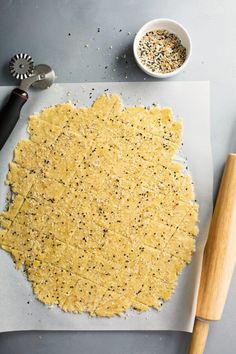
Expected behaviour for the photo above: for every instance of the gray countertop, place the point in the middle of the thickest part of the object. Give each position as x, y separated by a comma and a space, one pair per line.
64, 33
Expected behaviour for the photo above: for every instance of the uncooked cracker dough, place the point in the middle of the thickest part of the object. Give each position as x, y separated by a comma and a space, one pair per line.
104, 218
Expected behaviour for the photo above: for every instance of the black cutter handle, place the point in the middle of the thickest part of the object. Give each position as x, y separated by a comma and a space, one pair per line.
10, 113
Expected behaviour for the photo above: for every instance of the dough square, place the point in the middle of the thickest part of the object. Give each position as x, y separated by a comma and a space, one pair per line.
32, 156
20, 179
58, 115
19, 241
59, 167
112, 303
100, 271
85, 297
6, 217
46, 188
51, 284
88, 235
42, 132
34, 213
75, 260
47, 249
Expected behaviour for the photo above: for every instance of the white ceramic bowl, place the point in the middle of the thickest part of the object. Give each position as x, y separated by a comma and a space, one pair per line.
171, 26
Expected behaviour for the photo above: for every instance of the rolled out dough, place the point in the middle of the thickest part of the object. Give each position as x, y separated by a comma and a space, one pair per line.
104, 218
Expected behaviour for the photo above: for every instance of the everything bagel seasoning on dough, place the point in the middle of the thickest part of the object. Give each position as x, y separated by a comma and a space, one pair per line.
104, 218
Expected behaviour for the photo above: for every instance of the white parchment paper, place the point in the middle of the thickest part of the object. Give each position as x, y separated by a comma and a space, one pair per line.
19, 309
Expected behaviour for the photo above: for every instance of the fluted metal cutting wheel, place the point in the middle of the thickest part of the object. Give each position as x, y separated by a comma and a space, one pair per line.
21, 66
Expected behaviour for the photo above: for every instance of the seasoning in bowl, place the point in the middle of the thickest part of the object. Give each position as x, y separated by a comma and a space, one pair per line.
161, 51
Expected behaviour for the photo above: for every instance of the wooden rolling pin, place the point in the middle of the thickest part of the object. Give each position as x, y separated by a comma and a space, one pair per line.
218, 260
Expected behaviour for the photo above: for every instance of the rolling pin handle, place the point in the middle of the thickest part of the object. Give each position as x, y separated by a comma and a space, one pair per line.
199, 336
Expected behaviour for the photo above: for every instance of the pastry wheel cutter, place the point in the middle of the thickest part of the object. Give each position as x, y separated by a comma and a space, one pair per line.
22, 67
